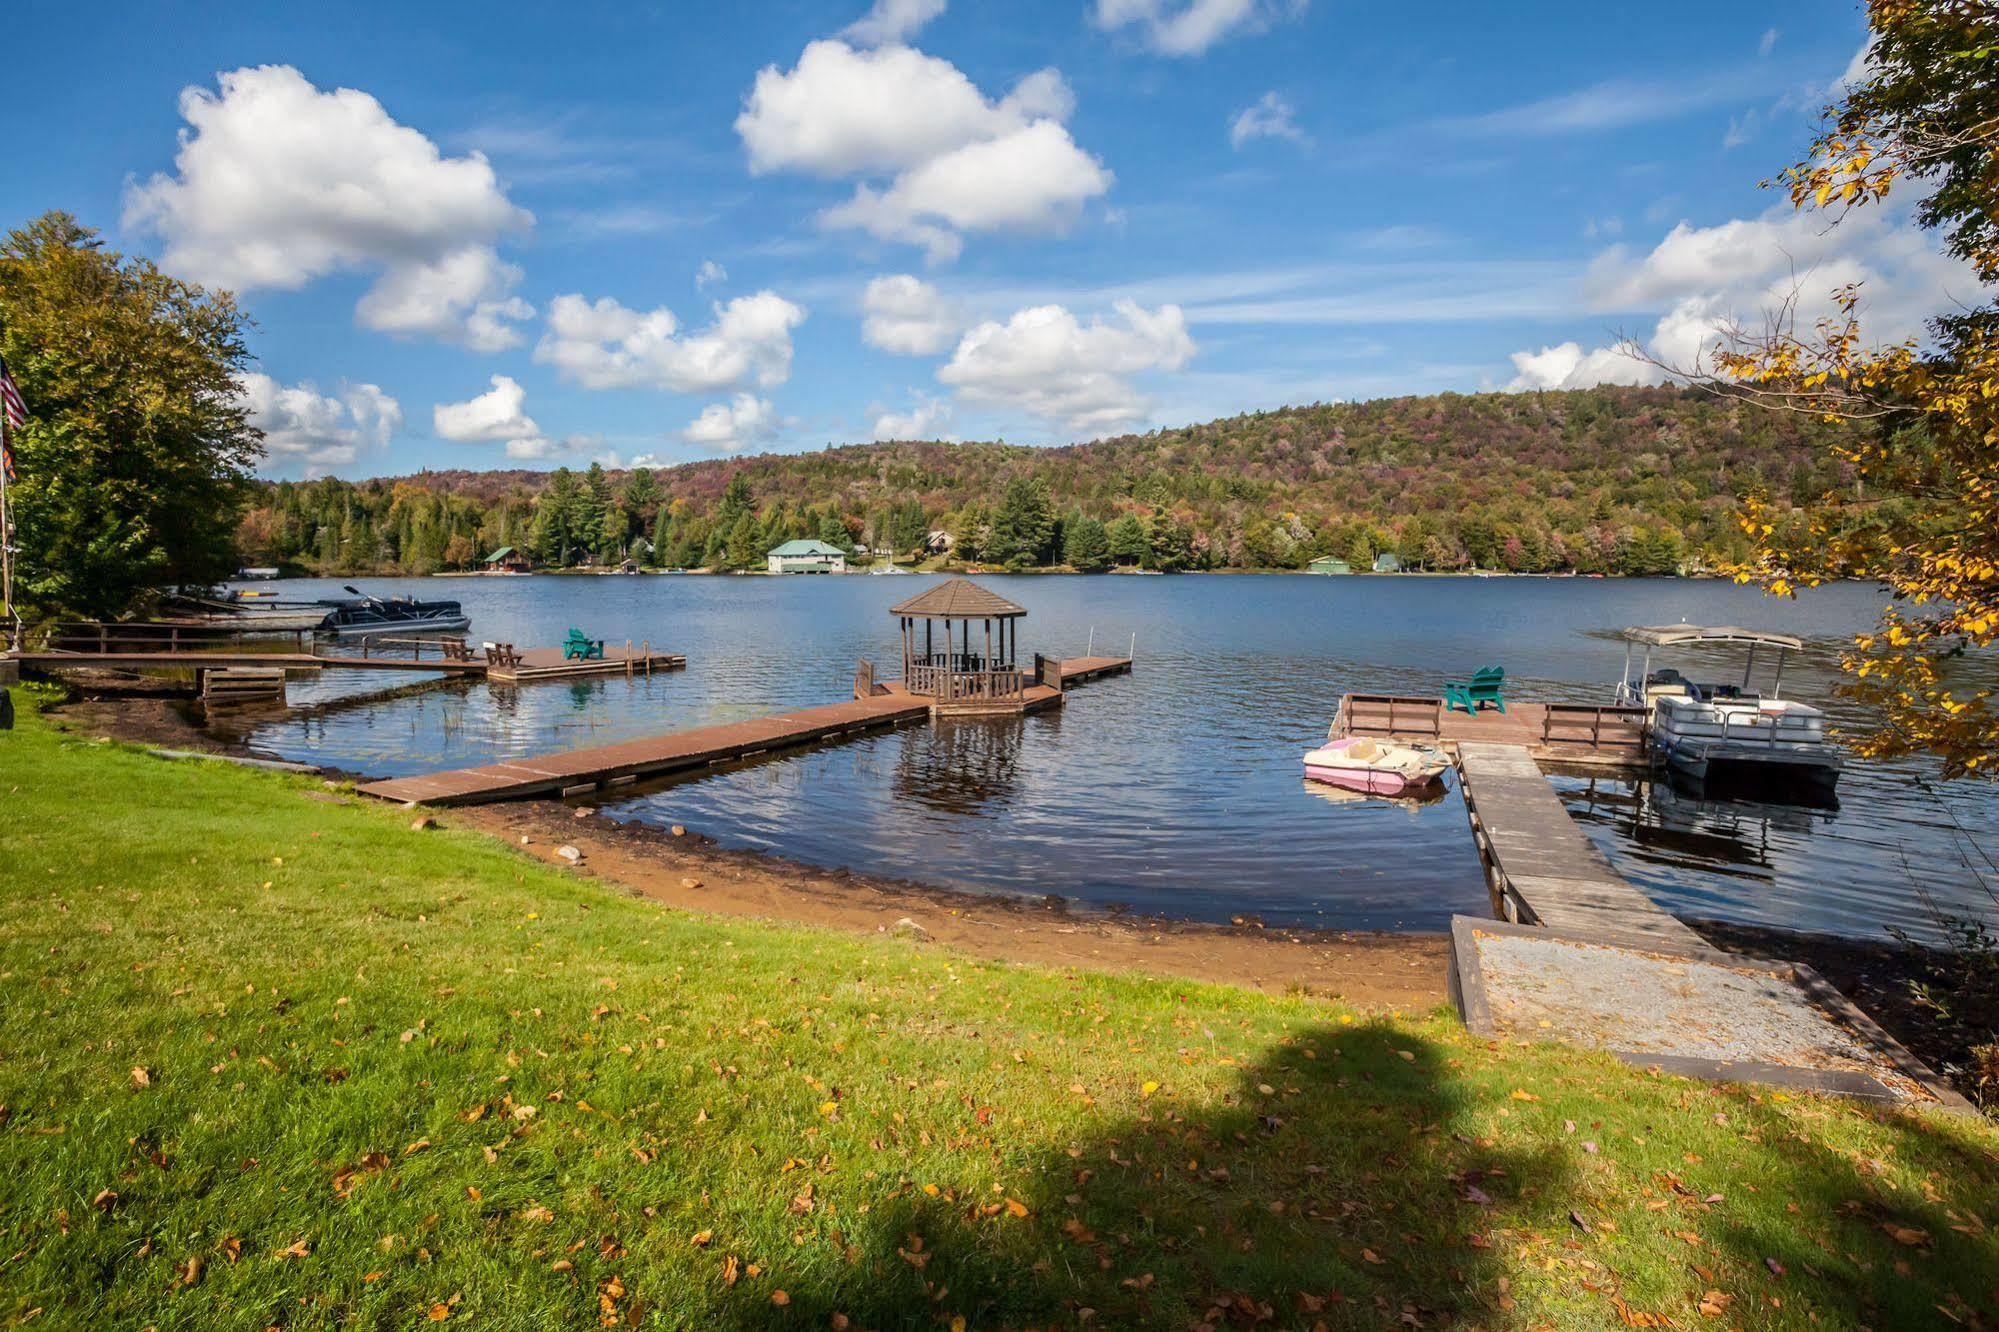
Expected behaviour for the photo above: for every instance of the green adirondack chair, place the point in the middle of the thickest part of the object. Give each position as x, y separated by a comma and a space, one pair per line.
579, 647
1471, 695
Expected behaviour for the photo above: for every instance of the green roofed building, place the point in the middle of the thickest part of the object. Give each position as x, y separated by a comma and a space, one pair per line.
1330, 564
808, 557
509, 560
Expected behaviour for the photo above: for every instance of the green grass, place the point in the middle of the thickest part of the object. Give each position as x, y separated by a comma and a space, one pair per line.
393, 1075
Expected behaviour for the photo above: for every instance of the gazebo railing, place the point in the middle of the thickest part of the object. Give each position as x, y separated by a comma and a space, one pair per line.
949, 684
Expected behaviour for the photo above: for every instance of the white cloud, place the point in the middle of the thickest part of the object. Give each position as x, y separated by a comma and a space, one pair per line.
908, 316
710, 274
277, 183
891, 21
1610, 105
601, 344
315, 430
1189, 27
731, 427
1768, 42
1045, 362
1740, 272
927, 420
953, 160
498, 414
1033, 179
1269, 117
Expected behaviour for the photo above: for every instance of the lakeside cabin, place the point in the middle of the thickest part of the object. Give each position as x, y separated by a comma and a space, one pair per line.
1330, 564
508, 559
1388, 563
807, 557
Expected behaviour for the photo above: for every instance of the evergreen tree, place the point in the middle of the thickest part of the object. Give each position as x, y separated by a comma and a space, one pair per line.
1128, 539
746, 548
593, 522
1023, 530
1085, 545
555, 519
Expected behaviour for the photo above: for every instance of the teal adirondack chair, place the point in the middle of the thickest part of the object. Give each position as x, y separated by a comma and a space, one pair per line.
578, 647
1473, 694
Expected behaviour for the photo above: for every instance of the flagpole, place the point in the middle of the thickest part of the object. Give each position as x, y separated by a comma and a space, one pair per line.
7, 559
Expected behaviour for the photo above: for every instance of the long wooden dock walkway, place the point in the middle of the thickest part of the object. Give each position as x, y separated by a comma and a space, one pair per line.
1543, 866
581, 770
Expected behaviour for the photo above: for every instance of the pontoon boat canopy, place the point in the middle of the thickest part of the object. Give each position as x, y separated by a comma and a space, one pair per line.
1666, 635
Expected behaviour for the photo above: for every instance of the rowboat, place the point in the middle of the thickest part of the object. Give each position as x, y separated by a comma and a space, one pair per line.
1378, 767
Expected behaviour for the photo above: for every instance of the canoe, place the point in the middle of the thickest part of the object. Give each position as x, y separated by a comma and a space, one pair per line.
1378, 767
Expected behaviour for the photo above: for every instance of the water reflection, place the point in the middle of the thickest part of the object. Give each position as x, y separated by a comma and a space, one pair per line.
970, 766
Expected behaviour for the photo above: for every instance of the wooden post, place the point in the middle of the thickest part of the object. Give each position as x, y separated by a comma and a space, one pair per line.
628, 658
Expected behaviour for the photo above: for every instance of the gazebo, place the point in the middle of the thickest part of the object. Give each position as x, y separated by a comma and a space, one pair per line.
963, 672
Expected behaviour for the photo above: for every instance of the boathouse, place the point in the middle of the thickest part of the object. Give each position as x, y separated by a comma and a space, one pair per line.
508, 559
1330, 564
807, 557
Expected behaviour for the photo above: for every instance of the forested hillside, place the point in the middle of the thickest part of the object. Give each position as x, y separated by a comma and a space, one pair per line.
1623, 480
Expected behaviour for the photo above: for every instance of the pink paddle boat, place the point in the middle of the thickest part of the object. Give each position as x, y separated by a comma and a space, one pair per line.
1377, 767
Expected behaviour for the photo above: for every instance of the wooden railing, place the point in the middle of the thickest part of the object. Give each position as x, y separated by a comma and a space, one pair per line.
1614, 726
1389, 714
953, 686
142, 636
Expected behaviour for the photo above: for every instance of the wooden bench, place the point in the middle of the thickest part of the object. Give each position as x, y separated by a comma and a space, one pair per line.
502, 654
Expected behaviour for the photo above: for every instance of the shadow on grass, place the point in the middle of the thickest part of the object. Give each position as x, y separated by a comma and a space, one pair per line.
1324, 1189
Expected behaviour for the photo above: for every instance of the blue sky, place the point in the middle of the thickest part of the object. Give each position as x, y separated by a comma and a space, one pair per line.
477, 236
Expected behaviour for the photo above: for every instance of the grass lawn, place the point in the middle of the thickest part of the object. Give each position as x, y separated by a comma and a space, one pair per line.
268, 1059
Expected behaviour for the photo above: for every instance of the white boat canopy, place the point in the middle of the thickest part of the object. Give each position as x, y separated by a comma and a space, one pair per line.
1668, 635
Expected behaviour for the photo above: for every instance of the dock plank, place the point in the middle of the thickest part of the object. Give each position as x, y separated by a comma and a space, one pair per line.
1550, 868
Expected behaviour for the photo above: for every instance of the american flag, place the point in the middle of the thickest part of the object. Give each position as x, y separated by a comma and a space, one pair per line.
13, 415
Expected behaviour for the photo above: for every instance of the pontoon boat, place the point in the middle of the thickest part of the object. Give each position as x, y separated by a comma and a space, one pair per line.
1723, 731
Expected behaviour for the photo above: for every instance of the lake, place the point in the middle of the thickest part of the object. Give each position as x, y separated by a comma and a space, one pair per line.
1175, 791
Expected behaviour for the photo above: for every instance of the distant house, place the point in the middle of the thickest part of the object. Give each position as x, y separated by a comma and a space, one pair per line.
509, 560
938, 542
257, 571
1330, 564
1387, 563
807, 557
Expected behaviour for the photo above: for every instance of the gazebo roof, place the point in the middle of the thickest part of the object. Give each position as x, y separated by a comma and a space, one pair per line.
958, 599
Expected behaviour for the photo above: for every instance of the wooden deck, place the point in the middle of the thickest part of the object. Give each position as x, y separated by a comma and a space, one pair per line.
196, 659
1603, 735
1082, 670
548, 663
584, 770
1542, 866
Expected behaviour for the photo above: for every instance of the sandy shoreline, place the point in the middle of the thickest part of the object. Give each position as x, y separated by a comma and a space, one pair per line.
690, 872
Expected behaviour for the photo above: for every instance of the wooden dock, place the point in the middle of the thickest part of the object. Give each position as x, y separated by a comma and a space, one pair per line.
1082, 670
199, 660
1602, 735
548, 663
580, 771
1542, 867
